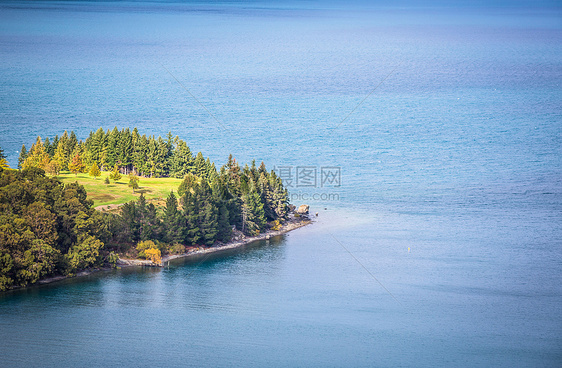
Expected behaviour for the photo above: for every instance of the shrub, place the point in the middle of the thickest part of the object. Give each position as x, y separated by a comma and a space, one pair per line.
275, 225
154, 255
143, 246
176, 248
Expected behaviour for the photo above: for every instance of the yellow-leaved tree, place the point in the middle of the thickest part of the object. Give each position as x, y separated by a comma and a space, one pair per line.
154, 255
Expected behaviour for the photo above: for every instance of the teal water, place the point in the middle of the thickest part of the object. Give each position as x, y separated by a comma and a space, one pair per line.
441, 246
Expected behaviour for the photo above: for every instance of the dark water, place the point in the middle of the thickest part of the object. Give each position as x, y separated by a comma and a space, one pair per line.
440, 247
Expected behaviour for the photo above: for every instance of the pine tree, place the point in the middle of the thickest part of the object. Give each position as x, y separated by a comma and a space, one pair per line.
148, 219
189, 183
181, 161
152, 157
3, 161
224, 229
210, 170
234, 177
252, 211
22, 156
47, 145
279, 201
95, 171
171, 221
72, 141
200, 167
129, 223
97, 146
191, 209
208, 214
262, 169
54, 145
266, 196
125, 149
112, 145
65, 156
140, 155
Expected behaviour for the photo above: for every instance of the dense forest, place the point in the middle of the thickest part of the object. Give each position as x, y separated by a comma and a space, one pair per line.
48, 228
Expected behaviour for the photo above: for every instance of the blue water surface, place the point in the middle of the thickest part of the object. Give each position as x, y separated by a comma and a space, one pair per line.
442, 244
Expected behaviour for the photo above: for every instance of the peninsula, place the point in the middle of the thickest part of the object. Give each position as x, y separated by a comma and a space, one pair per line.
52, 227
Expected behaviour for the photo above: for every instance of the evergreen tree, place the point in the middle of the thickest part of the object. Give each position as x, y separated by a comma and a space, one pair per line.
147, 219
65, 156
266, 196
140, 155
191, 209
72, 141
125, 150
54, 145
189, 184
128, 229
112, 147
152, 156
47, 146
279, 200
22, 156
208, 214
162, 158
181, 162
99, 146
172, 221
3, 161
224, 229
262, 169
200, 167
252, 211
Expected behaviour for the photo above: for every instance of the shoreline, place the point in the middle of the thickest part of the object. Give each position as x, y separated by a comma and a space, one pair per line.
237, 242
290, 225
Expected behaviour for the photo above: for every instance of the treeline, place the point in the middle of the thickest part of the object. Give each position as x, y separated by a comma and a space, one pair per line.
205, 211
46, 228
148, 156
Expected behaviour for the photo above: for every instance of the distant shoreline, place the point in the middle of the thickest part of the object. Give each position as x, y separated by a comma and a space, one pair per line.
291, 224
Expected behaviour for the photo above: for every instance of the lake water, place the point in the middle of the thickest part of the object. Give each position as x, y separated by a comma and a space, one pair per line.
442, 244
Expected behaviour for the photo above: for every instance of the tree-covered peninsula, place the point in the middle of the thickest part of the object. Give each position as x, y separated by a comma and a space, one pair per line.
48, 228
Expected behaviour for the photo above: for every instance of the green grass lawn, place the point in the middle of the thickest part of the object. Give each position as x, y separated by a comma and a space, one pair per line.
156, 189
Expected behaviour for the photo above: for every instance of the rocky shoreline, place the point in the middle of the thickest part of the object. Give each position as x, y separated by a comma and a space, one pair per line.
238, 241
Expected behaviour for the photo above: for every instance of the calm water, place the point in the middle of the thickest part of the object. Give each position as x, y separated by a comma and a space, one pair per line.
441, 247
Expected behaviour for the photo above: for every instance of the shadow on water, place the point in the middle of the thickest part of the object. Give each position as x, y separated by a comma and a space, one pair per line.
255, 250
95, 282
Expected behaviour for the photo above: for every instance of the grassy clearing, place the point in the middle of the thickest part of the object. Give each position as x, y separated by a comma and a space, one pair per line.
155, 189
